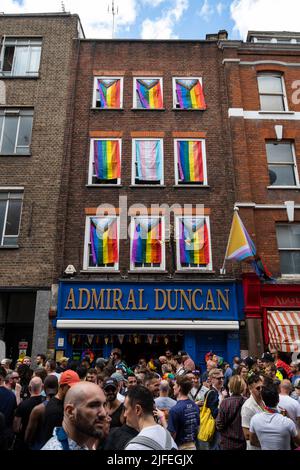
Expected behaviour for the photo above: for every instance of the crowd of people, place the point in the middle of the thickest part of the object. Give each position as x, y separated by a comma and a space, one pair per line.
156, 404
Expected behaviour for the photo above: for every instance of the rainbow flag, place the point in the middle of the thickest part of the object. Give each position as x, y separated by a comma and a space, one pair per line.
148, 158
146, 245
149, 94
104, 241
240, 246
107, 159
190, 94
109, 91
190, 162
193, 242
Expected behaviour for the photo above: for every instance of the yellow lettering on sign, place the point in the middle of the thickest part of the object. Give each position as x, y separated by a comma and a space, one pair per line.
141, 307
71, 299
196, 307
187, 299
169, 292
164, 295
97, 300
131, 304
108, 307
83, 291
117, 299
210, 301
221, 296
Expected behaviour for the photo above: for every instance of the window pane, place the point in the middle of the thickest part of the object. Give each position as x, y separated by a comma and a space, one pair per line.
8, 58
282, 175
24, 137
2, 215
34, 60
271, 103
13, 217
21, 60
10, 241
279, 153
288, 236
290, 262
10, 132
269, 84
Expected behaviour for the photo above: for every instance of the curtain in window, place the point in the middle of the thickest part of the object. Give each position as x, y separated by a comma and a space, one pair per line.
190, 162
193, 241
149, 93
190, 94
109, 91
146, 246
104, 241
107, 159
148, 158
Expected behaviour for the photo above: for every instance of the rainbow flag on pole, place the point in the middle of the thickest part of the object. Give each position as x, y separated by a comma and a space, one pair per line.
240, 246
104, 241
149, 94
110, 93
190, 94
107, 159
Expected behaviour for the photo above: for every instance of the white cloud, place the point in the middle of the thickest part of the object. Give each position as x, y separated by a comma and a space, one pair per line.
94, 15
220, 7
206, 11
265, 15
162, 27
153, 3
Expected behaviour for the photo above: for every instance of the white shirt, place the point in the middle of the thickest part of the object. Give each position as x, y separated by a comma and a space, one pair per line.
273, 430
157, 433
291, 406
249, 409
120, 397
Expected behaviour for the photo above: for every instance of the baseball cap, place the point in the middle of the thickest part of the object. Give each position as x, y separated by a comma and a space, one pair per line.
62, 359
297, 383
110, 382
51, 384
118, 377
100, 361
267, 357
69, 377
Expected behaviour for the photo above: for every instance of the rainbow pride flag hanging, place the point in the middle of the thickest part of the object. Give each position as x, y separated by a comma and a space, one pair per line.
104, 241
149, 94
110, 93
240, 246
148, 159
190, 94
107, 159
146, 245
193, 242
190, 163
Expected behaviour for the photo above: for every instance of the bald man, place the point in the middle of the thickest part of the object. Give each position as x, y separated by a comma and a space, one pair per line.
288, 403
85, 419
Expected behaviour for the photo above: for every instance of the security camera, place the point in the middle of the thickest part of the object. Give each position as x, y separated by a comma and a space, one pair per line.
70, 270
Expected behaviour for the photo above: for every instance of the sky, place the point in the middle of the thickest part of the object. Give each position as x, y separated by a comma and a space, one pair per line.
170, 19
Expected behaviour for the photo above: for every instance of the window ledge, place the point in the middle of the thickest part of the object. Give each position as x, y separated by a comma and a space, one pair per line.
276, 112
19, 77
198, 186
190, 109
290, 276
104, 186
148, 109
284, 187
106, 109
99, 270
148, 271
9, 247
15, 155
147, 186
195, 271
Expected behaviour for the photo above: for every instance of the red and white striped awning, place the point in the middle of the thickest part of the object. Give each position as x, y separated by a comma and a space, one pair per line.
284, 330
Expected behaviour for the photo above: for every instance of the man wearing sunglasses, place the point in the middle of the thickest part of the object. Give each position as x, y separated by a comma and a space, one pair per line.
253, 405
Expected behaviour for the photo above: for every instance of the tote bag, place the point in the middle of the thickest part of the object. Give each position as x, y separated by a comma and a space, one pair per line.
207, 424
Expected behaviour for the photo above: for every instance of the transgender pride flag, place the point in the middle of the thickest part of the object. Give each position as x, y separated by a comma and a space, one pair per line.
148, 159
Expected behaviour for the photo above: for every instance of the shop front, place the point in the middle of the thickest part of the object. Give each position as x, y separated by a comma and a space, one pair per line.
146, 319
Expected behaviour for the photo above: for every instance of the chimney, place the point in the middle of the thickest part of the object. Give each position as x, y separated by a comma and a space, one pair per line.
220, 36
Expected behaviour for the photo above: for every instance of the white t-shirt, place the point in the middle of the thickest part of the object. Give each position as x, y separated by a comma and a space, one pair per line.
157, 433
120, 397
291, 406
273, 430
249, 409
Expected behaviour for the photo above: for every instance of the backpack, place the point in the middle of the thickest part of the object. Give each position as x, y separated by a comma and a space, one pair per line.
148, 442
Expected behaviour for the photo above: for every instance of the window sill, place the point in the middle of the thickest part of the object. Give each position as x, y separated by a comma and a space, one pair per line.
148, 109
147, 186
284, 187
106, 109
99, 270
276, 112
148, 271
15, 155
197, 186
190, 109
9, 247
290, 276
195, 271
104, 186
22, 77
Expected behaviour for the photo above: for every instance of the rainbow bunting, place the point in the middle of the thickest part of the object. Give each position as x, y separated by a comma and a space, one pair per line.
149, 94
240, 246
104, 241
107, 159
148, 158
193, 242
190, 94
109, 91
146, 245
190, 161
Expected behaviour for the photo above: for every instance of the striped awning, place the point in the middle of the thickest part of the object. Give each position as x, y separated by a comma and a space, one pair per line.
284, 330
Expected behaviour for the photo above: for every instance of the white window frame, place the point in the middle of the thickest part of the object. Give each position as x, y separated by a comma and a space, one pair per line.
86, 266
17, 113
133, 166
176, 172
294, 164
30, 42
175, 102
135, 97
10, 191
209, 267
283, 94
95, 90
288, 275
163, 252
91, 161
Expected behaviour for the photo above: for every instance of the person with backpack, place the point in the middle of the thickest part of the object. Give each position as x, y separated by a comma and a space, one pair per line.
139, 411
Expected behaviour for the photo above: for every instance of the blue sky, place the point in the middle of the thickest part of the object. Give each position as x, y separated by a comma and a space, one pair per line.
170, 19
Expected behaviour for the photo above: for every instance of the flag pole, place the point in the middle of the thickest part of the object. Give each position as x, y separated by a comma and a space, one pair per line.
223, 270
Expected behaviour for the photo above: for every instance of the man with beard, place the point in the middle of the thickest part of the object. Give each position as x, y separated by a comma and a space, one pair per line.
84, 419
115, 408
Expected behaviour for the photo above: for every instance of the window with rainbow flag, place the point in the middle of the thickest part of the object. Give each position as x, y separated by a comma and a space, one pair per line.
148, 93
105, 161
147, 243
193, 243
190, 159
147, 161
188, 93
108, 93
102, 250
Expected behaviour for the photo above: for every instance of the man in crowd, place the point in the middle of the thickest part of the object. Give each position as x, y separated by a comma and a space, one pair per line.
253, 405
164, 402
12, 382
115, 408
84, 419
6, 363
286, 402
183, 421
62, 365
40, 361
121, 385
152, 382
139, 407
131, 381
8, 405
91, 375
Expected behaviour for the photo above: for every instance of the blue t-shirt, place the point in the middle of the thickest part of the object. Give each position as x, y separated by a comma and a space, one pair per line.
184, 419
